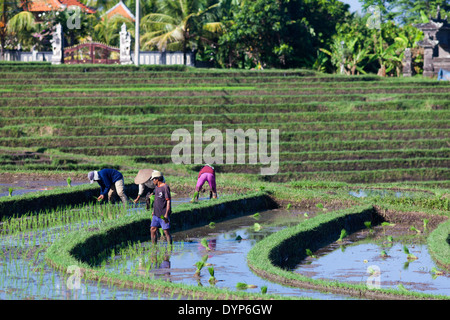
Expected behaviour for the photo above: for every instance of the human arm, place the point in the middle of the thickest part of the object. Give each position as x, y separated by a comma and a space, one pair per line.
140, 193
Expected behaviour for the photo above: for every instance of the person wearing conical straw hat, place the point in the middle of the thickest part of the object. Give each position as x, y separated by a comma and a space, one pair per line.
111, 184
143, 179
161, 207
207, 173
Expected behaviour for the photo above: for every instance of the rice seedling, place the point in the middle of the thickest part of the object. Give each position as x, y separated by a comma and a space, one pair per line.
205, 244
256, 216
310, 254
257, 227
10, 191
425, 224
306, 215
342, 235
368, 225
390, 239
212, 279
244, 286
264, 289
410, 256
288, 206
435, 272
212, 225
384, 254
69, 182
412, 228
200, 264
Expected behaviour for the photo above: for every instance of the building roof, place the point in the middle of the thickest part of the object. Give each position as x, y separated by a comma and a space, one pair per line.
83, 7
53, 5
41, 5
120, 9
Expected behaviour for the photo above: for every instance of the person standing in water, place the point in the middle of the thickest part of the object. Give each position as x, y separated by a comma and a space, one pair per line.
161, 208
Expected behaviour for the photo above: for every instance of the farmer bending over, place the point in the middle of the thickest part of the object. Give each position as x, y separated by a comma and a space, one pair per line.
207, 173
161, 208
111, 184
144, 180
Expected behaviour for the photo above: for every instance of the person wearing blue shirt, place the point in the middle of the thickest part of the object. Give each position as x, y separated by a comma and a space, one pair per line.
111, 184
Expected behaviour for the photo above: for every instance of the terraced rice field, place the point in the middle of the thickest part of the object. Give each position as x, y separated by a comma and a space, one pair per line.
361, 129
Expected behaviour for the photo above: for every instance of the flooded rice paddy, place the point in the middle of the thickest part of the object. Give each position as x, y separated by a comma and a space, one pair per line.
363, 257
387, 257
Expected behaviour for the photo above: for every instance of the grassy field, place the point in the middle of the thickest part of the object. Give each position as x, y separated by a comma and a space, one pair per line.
361, 129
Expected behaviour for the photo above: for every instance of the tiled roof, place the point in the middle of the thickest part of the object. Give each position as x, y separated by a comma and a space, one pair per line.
120, 9
52, 5
76, 3
41, 5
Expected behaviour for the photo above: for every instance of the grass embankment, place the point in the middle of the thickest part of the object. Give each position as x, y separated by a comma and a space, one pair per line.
79, 248
331, 127
272, 257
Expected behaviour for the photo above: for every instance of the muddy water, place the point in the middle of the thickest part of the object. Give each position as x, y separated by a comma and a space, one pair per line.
360, 259
31, 186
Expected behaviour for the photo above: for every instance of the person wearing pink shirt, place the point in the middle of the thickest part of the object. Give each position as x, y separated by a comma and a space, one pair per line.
207, 173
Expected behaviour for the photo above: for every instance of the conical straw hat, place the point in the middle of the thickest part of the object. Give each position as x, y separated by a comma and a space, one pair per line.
143, 176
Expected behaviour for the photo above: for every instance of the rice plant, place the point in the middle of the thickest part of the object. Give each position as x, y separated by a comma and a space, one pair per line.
310, 254
425, 224
244, 286
205, 244
200, 264
212, 279
412, 228
342, 235
368, 225
410, 256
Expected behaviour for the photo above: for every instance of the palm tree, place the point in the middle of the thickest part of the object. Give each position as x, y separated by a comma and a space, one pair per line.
177, 24
14, 21
107, 29
22, 25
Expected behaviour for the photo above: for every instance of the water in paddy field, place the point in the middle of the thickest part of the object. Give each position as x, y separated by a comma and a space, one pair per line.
28, 187
374, 259
25, 275
225, 248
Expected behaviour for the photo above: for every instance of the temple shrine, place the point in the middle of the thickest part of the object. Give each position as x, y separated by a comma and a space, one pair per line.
436, 45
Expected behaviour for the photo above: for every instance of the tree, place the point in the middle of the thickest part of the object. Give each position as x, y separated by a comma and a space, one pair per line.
280, 33
406, 11
21, 26
176, 25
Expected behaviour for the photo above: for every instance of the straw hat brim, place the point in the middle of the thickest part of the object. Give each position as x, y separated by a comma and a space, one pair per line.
143, 176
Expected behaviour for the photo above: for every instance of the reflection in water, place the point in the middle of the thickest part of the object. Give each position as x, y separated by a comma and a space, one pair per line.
379, 257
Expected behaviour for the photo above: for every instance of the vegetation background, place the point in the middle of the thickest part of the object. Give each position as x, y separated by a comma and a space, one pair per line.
317, 34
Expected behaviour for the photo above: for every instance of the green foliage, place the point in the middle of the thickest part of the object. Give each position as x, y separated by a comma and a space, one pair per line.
310, 254
244, 286
342, 235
